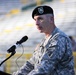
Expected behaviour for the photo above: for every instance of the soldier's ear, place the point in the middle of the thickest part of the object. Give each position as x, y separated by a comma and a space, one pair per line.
51, 19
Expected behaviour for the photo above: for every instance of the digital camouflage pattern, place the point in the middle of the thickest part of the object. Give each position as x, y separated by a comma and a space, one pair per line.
52, 57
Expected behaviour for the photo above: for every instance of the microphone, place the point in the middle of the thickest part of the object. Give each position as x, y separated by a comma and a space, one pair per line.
12, 49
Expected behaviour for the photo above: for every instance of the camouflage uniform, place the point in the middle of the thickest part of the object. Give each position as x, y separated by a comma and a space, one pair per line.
52, 57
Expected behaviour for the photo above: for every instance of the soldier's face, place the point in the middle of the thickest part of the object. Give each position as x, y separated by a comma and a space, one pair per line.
43, 23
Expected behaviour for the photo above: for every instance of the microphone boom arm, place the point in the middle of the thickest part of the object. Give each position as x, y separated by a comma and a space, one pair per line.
8, 57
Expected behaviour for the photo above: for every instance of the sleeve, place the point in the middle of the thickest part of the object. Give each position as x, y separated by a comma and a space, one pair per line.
25, 69
51, 57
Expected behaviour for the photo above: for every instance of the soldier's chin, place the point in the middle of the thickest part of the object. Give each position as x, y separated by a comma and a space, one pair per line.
40, 31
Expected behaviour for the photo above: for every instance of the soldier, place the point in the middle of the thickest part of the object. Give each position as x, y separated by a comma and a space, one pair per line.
54, 55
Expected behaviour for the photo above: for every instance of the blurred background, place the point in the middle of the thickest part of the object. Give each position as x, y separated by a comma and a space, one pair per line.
16, 22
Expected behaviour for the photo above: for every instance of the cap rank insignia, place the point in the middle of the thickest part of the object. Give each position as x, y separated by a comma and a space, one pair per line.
41, 10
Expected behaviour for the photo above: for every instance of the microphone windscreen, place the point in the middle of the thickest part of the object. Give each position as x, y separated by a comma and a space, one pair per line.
22, 40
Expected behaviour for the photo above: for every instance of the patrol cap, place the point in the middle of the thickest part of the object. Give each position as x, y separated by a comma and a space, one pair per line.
40, 10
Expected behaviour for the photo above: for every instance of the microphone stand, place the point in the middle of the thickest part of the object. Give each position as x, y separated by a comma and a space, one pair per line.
12, 53
12, 49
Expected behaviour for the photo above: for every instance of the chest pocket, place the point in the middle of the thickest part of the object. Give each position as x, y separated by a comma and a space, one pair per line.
51, 47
